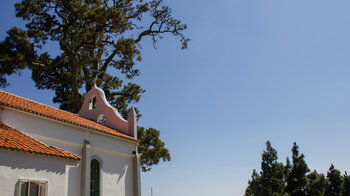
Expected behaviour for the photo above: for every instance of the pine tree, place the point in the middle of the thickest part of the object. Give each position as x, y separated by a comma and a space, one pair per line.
254, 185
271, 172
335, 182
297, 180
293, 179
286, 171
317, 184
99, 42
346, 184
270, 180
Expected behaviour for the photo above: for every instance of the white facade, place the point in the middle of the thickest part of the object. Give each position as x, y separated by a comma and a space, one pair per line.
119, 169
25, 166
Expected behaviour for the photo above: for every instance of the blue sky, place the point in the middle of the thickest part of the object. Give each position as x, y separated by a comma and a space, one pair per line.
255, 70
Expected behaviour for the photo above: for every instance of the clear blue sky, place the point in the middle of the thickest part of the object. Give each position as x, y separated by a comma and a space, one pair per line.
255, 70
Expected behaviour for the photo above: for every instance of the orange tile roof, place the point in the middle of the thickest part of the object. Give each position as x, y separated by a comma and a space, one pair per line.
27, 105
12, 139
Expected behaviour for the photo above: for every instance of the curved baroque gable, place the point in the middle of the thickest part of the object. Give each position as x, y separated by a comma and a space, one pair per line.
97, 108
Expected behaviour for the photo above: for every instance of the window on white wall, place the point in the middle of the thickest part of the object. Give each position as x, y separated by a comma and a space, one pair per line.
95, 178
32, 188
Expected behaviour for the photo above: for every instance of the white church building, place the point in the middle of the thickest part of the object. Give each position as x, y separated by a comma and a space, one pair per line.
45, 151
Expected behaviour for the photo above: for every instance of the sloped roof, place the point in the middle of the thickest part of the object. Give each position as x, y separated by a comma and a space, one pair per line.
12, 139
30, 106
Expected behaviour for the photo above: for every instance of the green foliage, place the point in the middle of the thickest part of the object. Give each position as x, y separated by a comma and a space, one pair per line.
297, 180
254, 185
95, 38
335, 182
293, 179
317, 184
346, 184
272, 172
15, 51
152, 150
270, 180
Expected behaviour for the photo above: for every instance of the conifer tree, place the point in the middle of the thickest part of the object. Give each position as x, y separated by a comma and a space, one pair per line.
293, 179
254, 185
271, 172
270, 180
346, 184
286, 171
99, 42
317, 184
335, 182
297, 180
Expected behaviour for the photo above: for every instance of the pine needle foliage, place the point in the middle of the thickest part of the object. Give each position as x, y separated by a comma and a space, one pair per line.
99, 42
294, 177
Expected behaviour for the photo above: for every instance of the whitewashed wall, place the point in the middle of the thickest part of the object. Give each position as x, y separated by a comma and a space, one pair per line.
117, 170
18, 165
115, 154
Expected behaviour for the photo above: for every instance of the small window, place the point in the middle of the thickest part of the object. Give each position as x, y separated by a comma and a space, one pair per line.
95, 178
32, 188
92, 102
101, 119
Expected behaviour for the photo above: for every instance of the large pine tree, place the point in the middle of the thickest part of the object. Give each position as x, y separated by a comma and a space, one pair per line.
99, 42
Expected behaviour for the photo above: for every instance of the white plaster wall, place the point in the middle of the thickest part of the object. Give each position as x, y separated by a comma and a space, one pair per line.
33, 124
48, 131
69, 134
116, 173
115, 154
19, 165
111, 144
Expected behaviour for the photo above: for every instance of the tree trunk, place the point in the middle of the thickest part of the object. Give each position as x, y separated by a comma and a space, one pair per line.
75, 88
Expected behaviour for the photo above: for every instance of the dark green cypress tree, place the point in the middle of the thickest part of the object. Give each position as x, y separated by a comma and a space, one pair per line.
335, 182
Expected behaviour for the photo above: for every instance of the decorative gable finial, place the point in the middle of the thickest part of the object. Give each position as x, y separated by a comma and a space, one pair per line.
96, 107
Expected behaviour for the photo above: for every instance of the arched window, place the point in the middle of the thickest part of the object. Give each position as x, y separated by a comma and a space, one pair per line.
95, 178
92, 103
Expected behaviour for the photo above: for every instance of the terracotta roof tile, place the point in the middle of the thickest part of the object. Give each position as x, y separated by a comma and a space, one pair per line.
12, 139
27, 105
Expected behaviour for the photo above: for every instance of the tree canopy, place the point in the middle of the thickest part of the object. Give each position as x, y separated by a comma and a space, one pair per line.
293, 178
94, 38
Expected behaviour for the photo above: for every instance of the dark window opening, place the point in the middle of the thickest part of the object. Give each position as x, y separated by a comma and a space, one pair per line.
95, 178
92, 102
